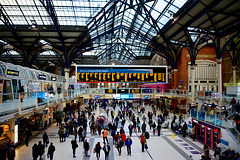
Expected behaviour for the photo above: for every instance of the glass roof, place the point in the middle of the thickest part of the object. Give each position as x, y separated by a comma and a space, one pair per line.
119, 30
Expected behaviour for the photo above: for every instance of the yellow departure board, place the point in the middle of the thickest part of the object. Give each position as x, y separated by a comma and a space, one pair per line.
121, 77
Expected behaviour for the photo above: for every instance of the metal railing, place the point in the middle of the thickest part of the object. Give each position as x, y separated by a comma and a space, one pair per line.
18, 102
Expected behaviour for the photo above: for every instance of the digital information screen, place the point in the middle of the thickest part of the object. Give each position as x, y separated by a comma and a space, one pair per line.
122, 96
125, 75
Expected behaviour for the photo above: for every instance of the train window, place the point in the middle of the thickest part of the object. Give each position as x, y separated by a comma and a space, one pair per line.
209, 133
203, 131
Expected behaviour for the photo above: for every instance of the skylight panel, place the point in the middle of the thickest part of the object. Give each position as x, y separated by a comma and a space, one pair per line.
7, 2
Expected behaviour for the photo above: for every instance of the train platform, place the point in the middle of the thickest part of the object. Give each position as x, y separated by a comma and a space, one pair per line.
159, 147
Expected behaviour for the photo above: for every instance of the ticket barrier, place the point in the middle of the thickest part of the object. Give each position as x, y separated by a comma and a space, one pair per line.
207, 133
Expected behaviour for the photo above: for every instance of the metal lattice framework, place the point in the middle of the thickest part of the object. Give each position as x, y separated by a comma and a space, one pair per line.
65, 31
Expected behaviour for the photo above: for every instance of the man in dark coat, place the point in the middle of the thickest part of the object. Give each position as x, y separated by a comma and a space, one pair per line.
51, 150
86, 147
45, 139
74, 146
35, 151
28, 135
106, 149
40, 149
3, 153
185, 127
11, 153
144, 127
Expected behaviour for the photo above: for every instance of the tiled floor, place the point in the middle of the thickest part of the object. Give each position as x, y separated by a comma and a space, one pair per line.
160, 148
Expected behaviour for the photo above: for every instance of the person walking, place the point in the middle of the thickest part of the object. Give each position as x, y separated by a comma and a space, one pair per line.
74, 146
80, 130
40, 149
144, 127
11, 153
28, 135
185, 127
130, 128
119, 146
45, 139
154, 128
86, 147
97, 150
61, 134
128, 144
193, 132
105, 135
206, 150
106, 150
35, 151
123, 136
51, 150
159, 129
143, 141
113, 134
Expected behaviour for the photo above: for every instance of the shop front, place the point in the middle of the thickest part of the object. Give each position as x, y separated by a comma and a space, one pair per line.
5, 135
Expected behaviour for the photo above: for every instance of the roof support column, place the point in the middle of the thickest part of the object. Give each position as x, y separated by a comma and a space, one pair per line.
66, 71
219, 68
234, 68
193, 104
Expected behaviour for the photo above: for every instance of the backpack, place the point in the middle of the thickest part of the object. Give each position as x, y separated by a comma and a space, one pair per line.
121, 142
147, 135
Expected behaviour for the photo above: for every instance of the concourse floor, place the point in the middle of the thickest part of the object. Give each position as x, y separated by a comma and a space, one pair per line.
159, 148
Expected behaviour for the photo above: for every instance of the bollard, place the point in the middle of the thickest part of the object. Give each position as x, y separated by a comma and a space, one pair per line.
172, 135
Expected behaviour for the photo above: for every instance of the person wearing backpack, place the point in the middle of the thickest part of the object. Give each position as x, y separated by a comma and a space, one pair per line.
143, 141
106, 150
119, 146
51, 150
128, 144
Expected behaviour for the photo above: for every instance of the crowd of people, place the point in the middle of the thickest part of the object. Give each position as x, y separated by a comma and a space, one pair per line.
76, 121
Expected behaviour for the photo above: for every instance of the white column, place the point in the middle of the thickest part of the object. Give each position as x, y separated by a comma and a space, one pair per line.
52, 115
66, 71
192, 85
43, 118
234, 74
36, 102
19, 105
219, 68
13, 130
48, 117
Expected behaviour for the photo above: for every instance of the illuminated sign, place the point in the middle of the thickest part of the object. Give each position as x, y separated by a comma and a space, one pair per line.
42, 77
53, 78
122, 96
129, 75
16, 133
12, 72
